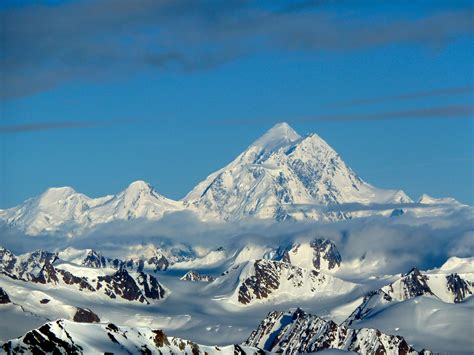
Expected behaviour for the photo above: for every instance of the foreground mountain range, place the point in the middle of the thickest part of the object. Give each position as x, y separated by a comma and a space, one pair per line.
41, 286
280, 176
288, 333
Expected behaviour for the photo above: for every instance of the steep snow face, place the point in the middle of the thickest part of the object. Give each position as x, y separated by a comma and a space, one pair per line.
278, 175
67, 211
297, 332
138, 200
67, 337
260, 281
45, 268
319, 254
457, 265
53, 209
451, 288
448, 287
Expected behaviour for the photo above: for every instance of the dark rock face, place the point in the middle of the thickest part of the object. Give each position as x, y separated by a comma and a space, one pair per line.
265, 280
95, 260
151, 286
299, 332
160, 262
325, 249
70, 279
85, 316
35, 266
45, 301
268, 275
4, 299
415, 284
44, 340
325, 254
38, 267
123, 285
459, 287
370, 301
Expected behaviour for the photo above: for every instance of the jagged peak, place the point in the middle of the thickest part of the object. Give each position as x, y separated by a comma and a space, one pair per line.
414, 271
276, 137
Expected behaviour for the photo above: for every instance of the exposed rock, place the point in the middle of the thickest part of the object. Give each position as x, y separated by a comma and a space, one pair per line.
85, 316
38, 267
459, 287
414, 284
195, 276
262, 279
45, 301
122, 284
4, 299
320, 254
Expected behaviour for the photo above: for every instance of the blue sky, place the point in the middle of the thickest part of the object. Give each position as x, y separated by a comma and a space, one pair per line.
97, 94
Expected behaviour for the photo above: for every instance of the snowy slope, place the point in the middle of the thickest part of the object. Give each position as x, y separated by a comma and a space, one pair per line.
77, 338
56, 208
280, 171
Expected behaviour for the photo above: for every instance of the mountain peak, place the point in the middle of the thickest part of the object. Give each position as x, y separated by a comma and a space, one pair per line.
139, 185
278, 136
58, 193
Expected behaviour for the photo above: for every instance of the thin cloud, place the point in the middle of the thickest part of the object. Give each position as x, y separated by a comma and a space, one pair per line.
42, 48
446, 112
46, 126
407, 96
440, 112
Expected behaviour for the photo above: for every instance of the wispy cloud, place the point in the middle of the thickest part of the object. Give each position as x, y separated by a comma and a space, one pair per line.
42, 46
406, 96
438, 112
446, 112
45, 126
33, 127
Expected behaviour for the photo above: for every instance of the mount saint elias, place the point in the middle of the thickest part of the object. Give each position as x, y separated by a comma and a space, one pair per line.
281, 176
284, 250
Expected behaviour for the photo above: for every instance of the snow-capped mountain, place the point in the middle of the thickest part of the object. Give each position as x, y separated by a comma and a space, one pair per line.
319, 254
63, 210
447, 287
296, 332
138, 200
196, 276
282, 175
150, 259
66, 337
46, 268
263, 280
279, 175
